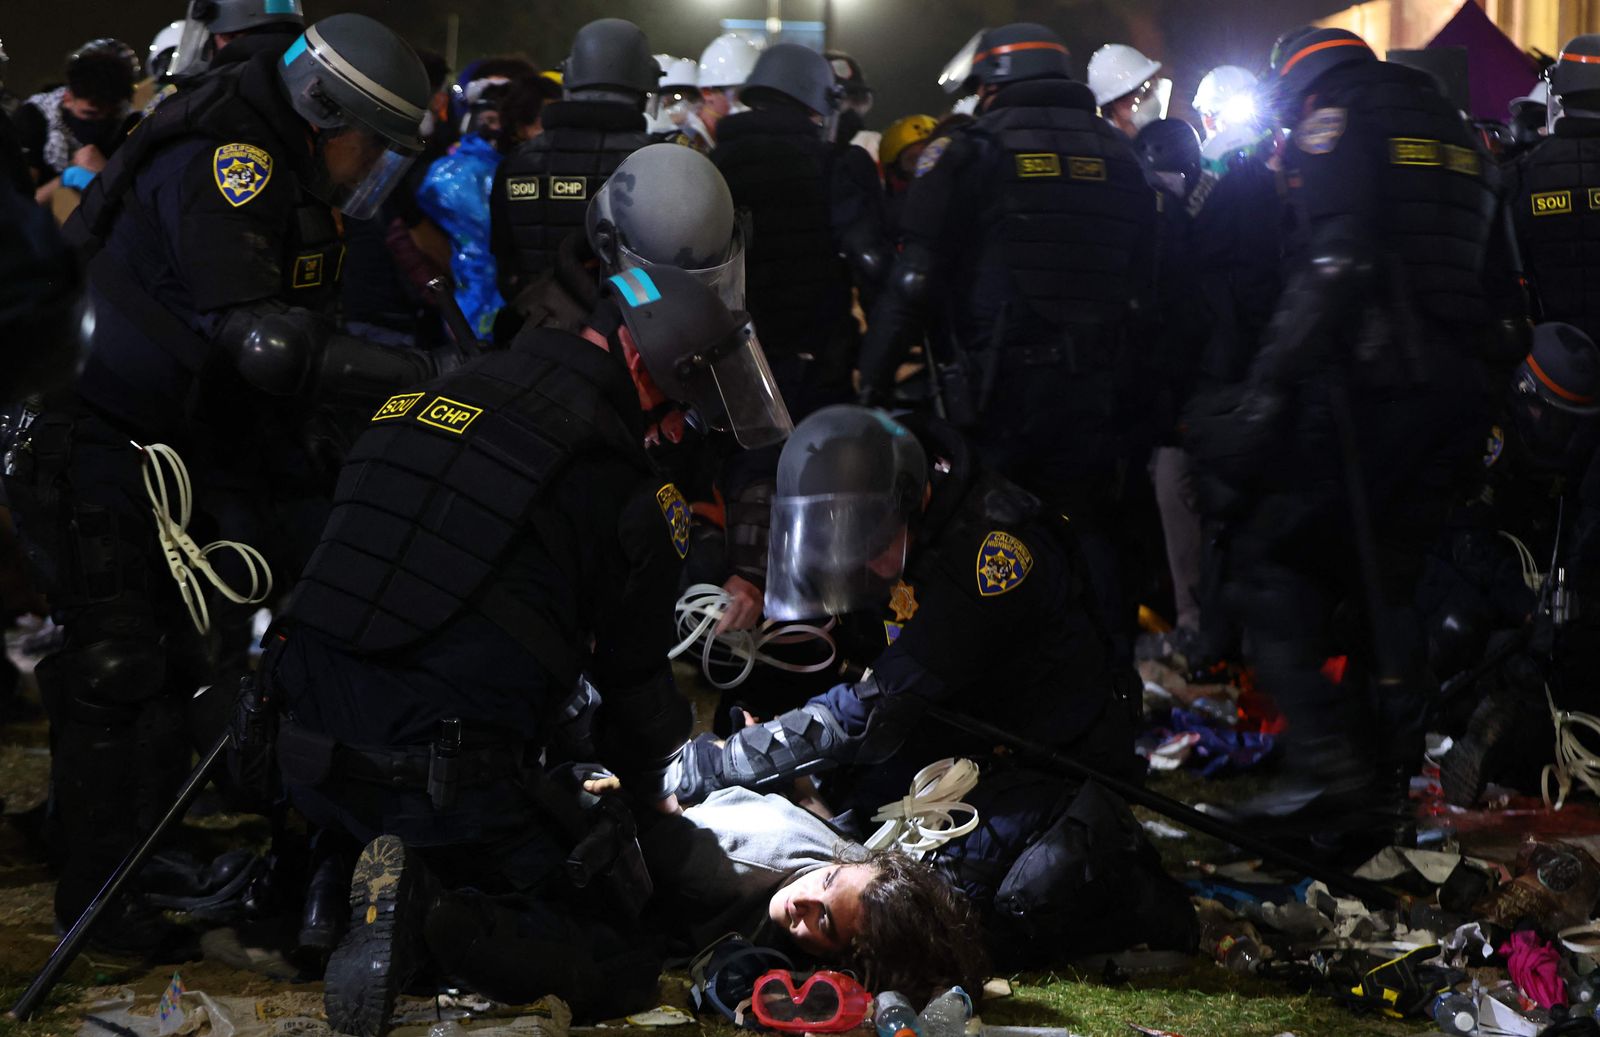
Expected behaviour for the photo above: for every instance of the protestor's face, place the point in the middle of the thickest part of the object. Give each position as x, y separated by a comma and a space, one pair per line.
822, 909
83, 108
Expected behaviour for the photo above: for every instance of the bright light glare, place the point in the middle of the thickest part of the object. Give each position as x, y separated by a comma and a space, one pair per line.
1238, 110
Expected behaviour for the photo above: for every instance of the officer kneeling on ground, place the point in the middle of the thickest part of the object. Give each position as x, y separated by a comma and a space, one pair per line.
215, 248
495, 534
978, 600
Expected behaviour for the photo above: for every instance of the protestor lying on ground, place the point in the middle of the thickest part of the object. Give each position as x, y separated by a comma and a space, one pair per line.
762, 867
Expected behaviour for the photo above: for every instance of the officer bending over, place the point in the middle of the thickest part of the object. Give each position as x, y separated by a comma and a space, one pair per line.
495, 534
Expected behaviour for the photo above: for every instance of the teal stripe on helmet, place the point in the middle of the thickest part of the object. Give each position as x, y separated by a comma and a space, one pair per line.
297, 48
636, 287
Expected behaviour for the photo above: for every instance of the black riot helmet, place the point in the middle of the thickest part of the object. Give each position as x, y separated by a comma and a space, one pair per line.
611, 54
1009, 54
668, 205
1575, 82
1555, 394
205, 18
1302, 56
794, 72
854, 91
366, 92
850, 483
1170, 148
702, 353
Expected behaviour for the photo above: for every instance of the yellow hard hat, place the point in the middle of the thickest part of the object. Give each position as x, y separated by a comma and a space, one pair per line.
552, 74
902, 133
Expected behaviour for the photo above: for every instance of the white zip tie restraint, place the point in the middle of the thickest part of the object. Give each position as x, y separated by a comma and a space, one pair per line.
925, 820
185, 559
1531, 576
698, 612
1575, 762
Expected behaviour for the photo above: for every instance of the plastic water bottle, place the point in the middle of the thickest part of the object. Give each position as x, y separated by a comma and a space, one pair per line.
947, 1014
894, 1016
1456, 1013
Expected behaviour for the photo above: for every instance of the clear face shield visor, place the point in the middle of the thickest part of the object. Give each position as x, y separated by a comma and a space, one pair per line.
740, 394
953, 78
1150, 102
361, 169
833, 553
194, 50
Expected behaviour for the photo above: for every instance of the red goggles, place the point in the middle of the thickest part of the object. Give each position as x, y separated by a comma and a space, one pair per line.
827, 1002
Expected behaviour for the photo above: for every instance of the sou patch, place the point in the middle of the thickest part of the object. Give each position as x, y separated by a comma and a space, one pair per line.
930, 155
1003, 563
397, 406
1319, 132
241, 171
676, 511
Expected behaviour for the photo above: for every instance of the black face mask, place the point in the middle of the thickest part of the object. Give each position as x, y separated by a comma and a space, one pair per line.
91, 131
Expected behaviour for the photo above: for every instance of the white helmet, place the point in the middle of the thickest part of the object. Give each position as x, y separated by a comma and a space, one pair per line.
1539, 95
728, 60
1220, 86
166, 40
678, 71
1117, 69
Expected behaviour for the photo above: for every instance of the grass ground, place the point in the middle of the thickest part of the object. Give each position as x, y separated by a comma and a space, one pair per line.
1201, 1000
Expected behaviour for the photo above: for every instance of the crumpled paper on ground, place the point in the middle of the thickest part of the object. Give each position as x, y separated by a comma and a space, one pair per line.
1435, 866
296, 1014
1535, 968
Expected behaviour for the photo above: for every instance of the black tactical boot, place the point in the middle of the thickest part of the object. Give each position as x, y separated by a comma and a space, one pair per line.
383, 949
322, 919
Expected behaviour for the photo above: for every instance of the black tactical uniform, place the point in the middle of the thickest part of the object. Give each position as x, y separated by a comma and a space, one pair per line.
495, 533
1555, 203
212, 260
1027, 237
816, 210
1369, 372
542, 190
1520, 559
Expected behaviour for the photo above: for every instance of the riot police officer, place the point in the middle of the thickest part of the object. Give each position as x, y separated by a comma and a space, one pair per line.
216, 247
1358, 412
497, 533
1520, 560
1551, 185
817, 214
1025, 237
542, 189
951, 583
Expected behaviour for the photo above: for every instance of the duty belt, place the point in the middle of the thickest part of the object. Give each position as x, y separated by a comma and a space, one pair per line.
310, 758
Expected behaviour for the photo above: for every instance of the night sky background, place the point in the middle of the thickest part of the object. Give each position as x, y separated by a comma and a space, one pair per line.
901, 44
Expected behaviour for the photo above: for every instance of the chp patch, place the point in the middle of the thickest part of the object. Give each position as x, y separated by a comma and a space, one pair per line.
1319, 132
676, 511
451, 415
930, 155
241, 171
1494, 446
1003, 563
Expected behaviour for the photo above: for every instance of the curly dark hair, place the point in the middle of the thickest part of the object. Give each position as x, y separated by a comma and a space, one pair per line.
919, 934
100, 75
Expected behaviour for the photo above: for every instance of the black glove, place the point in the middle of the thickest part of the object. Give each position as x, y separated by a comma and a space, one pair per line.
698, 771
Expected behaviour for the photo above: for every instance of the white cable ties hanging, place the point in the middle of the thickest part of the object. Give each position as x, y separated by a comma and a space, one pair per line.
699, 610
187, 561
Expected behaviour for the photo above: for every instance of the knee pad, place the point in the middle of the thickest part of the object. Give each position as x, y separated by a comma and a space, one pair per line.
105, 682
